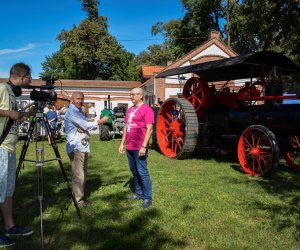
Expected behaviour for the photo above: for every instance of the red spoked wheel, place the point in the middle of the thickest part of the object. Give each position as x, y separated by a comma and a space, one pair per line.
197, 92
292, 156
177, 128
258, 151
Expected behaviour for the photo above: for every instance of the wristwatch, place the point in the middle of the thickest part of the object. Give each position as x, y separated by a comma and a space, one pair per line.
143, 146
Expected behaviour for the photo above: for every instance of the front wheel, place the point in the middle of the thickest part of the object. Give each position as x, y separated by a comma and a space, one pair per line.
177, 128
258, 151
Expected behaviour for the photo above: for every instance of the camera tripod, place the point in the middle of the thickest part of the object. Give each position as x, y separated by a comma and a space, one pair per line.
40, 117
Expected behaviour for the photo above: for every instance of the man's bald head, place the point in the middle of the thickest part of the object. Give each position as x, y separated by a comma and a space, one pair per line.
77, 99
76, 94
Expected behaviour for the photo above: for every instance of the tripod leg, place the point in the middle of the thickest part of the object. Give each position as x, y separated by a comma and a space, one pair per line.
25, 147
32, 126
55, 149
39, 165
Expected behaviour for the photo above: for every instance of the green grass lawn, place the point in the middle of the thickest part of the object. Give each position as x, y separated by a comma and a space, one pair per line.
197, 204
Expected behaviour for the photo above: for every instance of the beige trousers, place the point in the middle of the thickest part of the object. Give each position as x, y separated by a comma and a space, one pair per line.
79, 163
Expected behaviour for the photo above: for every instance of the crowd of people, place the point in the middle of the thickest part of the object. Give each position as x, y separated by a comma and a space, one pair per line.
139, 121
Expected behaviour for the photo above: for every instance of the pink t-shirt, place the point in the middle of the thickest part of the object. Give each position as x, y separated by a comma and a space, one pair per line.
136, 130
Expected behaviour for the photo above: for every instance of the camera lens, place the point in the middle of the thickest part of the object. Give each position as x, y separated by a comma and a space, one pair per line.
43, 96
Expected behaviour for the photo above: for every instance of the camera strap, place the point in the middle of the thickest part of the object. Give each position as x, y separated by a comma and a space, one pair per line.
6, 130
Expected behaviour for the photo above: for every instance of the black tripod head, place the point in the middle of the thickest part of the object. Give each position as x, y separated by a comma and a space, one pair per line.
39, 106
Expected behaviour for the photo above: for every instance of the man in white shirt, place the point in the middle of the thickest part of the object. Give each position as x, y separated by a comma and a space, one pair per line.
78, 144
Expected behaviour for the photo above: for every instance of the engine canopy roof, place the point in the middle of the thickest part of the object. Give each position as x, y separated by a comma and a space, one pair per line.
239, 67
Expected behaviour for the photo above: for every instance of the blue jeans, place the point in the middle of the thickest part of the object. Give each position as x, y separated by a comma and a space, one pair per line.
141, 178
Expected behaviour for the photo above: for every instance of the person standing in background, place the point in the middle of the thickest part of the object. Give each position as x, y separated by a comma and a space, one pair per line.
52, 120
92, 111
139, 121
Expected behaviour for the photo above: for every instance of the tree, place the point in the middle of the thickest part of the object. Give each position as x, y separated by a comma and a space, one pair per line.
89, 52
156, 55
201, 16
91, 7
266, 25
246, 25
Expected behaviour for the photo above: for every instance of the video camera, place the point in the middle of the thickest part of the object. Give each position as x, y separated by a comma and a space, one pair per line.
46, 92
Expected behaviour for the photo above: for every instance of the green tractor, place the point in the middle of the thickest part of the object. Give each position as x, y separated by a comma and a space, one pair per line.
113, 125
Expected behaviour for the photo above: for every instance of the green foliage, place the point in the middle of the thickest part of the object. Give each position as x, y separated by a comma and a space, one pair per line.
246, 25
156, 55
187, 33
125, 66
171, 31
89, 52
267, 25
205, 203
91, 7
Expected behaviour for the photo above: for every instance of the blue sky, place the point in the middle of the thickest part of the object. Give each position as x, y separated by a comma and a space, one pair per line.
29, 28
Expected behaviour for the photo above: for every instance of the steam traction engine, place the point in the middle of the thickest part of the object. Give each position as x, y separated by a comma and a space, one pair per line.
211, 113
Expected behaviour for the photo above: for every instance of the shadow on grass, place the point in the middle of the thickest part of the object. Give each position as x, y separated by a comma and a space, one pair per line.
104, 224
136, 233
284, 185
129, 184
237, 167
100, 227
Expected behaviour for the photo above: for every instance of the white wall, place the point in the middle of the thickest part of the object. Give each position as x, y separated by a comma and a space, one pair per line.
211, 50
171, 91
99, 105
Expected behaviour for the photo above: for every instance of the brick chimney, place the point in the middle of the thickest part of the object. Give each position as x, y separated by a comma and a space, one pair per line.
214, 34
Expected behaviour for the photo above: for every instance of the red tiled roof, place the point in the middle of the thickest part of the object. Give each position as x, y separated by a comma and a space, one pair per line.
149, 71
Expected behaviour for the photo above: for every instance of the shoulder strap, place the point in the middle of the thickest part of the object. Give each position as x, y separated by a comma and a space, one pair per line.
8, 124
6, 130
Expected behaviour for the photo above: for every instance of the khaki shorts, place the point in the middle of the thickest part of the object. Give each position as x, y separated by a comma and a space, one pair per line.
7, 174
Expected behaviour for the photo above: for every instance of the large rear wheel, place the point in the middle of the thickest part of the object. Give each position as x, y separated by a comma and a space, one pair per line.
258, 151
177, 128
292, 156
197, 92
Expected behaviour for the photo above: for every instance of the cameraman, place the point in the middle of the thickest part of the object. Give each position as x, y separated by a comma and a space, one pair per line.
20, 76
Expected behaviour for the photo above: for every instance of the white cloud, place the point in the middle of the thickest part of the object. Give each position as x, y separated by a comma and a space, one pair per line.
3, 74
29, 46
